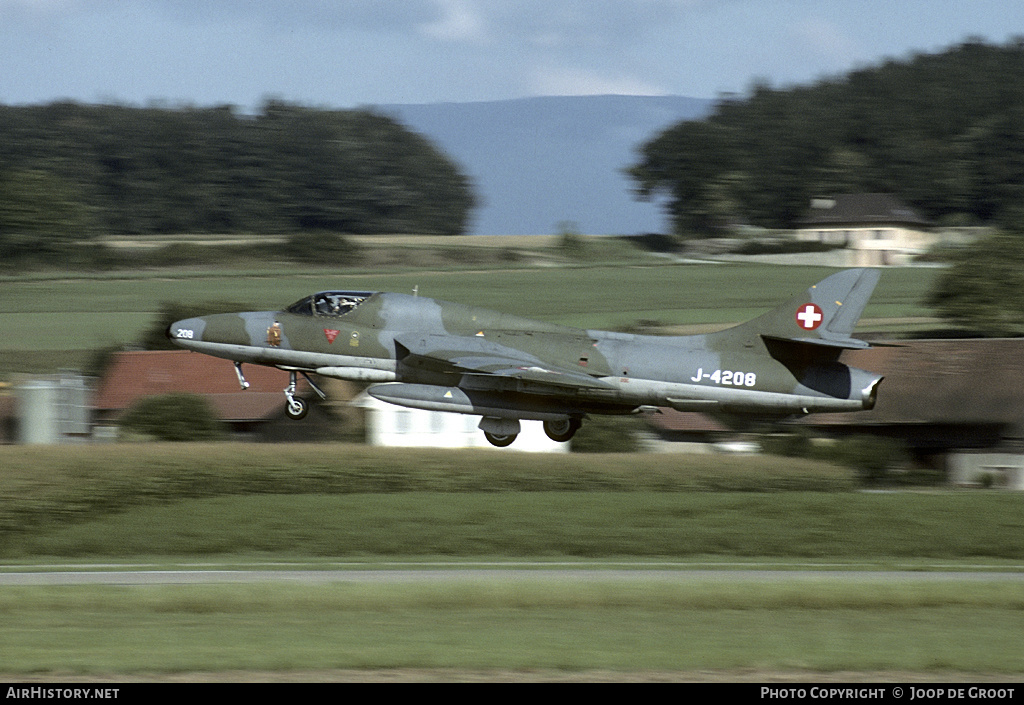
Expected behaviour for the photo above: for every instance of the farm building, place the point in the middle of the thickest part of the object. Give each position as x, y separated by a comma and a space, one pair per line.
957, 404
256, 413
876, 228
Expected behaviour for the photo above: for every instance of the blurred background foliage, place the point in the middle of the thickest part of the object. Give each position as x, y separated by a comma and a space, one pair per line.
69, 171
943, 131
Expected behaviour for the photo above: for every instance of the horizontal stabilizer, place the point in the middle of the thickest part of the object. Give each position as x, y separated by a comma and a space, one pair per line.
841, 343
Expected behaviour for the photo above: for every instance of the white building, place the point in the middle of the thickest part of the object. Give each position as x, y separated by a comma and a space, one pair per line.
398, 427
53, 409
876, 228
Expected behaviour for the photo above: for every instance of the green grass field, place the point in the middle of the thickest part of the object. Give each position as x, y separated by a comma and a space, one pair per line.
337, 507
674, 629
56, 500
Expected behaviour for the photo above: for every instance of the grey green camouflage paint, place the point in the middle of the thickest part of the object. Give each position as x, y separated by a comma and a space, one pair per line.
454, 357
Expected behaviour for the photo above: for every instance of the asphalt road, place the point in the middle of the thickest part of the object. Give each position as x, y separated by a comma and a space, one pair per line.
118, 575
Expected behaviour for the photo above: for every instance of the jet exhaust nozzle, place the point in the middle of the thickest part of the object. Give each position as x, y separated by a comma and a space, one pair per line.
869, 394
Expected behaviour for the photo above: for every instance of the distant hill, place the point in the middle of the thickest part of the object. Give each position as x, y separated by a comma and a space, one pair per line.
535, 162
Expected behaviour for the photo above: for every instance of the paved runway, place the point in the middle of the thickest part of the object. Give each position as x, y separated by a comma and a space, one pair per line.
131, 575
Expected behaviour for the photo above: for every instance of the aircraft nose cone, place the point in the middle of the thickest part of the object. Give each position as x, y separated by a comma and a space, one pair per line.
183, 332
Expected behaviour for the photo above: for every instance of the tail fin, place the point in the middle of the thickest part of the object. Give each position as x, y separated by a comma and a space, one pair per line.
823, 315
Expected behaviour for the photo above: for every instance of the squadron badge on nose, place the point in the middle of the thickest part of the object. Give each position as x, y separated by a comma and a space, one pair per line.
274, 335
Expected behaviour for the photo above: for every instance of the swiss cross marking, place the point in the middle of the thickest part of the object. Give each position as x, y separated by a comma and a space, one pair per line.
809, 316
331, 334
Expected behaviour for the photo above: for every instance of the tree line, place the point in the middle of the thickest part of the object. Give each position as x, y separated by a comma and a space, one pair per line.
944, 132
69, 170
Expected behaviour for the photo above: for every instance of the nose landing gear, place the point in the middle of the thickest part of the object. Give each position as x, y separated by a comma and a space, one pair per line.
297, 407
242, 382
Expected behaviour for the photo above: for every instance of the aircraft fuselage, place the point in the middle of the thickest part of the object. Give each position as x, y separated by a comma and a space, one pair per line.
452, 357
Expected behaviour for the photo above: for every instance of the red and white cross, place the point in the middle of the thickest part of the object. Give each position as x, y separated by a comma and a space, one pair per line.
809, 316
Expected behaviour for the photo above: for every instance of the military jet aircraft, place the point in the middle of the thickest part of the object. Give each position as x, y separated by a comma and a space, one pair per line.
436, 355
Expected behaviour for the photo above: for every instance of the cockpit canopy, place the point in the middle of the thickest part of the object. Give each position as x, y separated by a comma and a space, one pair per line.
329, 303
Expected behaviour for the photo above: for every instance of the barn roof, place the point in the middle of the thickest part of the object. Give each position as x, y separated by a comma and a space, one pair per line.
861, 209
973, 381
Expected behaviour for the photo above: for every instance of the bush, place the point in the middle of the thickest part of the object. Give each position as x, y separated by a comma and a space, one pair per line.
871, 456
571, 242
608, 434
174, 417
320, 247
788, 445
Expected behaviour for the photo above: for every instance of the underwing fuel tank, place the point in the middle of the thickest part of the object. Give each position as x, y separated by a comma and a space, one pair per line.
453, 399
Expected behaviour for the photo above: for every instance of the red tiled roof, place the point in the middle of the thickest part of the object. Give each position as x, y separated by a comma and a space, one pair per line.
133, 375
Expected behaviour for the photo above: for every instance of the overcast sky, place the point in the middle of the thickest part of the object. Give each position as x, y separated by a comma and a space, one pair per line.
348, 53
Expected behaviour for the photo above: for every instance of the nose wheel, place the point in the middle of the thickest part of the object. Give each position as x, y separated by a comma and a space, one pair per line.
297, 407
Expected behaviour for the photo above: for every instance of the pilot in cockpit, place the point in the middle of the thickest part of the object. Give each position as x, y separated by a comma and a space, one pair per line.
335, 305
324, 305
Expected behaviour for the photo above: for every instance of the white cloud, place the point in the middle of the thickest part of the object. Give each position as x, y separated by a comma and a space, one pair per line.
460, 21
577, 81
825, 41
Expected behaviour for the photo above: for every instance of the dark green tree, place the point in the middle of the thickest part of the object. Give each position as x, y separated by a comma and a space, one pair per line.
983, 289
943, 131
41, 214
211, 170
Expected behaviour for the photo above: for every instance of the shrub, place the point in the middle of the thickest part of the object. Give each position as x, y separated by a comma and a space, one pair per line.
174, 417
608, 434
873, 457
320, 247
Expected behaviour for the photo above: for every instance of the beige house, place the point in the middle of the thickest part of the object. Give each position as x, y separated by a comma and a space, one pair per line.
876, 228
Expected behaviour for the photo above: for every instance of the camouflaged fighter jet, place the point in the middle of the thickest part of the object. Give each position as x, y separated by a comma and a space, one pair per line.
451, 357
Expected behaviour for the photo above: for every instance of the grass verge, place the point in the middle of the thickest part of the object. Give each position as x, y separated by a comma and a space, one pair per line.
656, 525
565, 625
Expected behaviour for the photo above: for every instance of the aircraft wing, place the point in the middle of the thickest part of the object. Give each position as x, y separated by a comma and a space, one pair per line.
486, 365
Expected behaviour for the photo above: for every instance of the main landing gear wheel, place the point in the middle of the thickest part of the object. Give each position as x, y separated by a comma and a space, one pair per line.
500, 432
562, 431
499, 441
